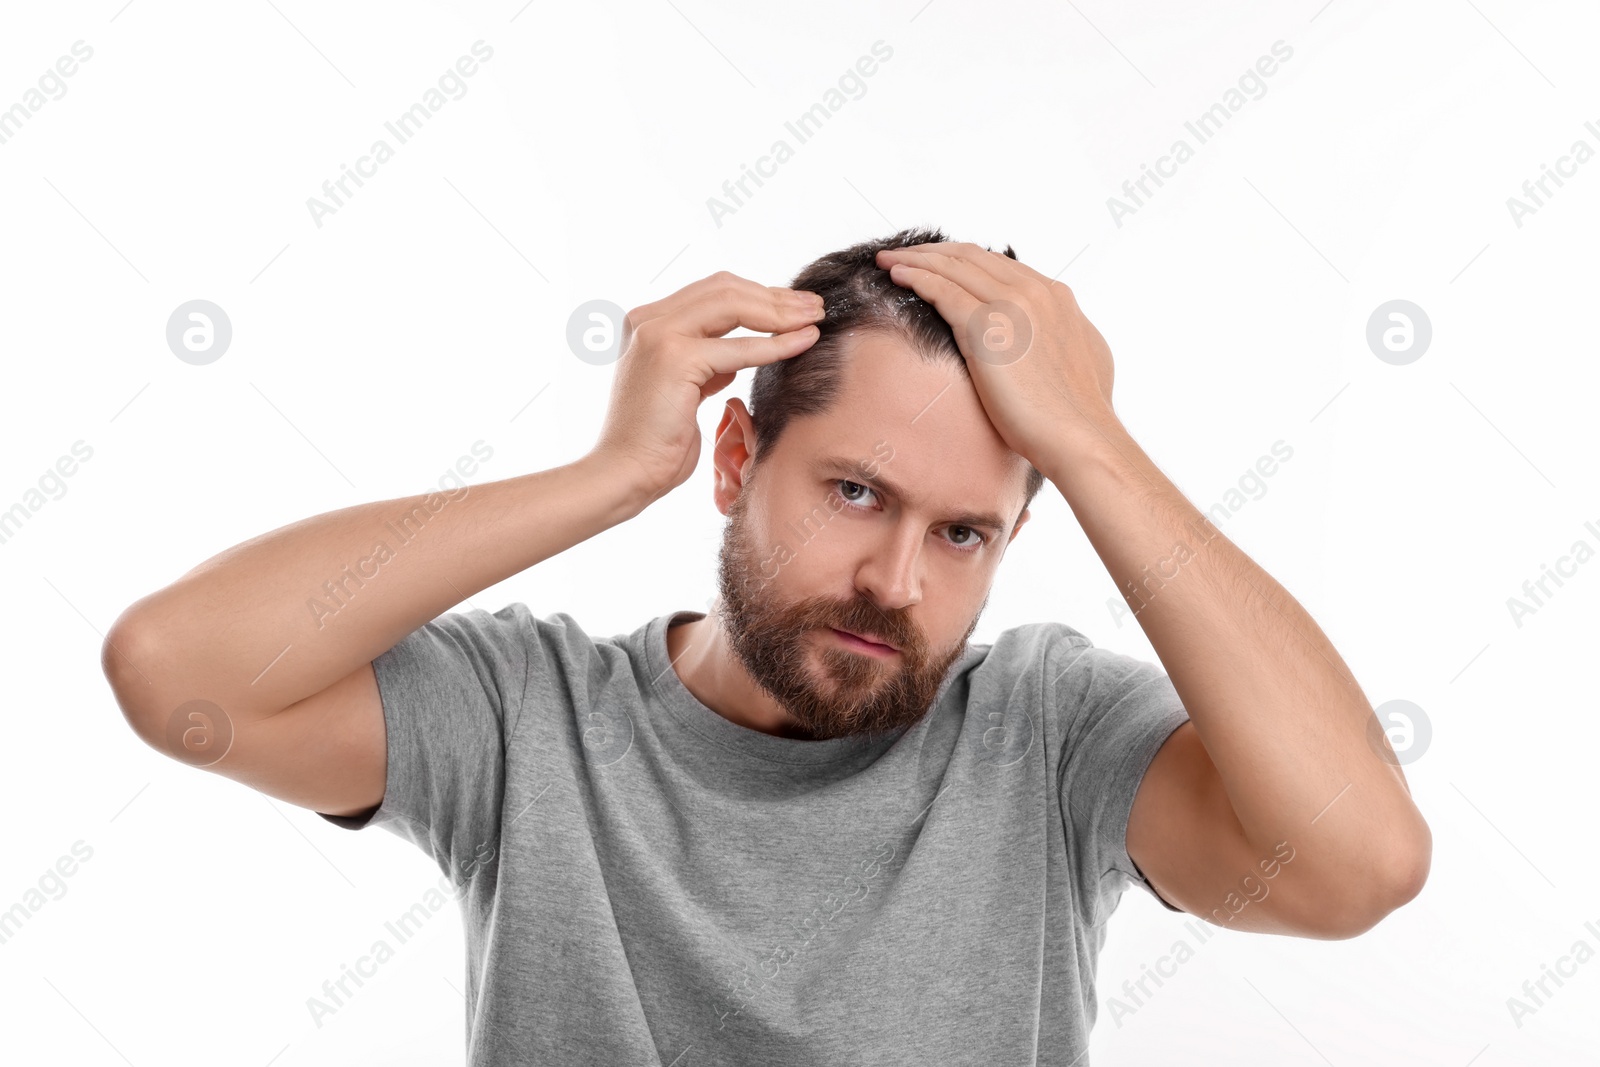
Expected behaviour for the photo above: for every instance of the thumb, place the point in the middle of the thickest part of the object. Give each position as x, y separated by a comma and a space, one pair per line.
715, 384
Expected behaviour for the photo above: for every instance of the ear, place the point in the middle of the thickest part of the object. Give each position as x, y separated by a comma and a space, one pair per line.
731, 454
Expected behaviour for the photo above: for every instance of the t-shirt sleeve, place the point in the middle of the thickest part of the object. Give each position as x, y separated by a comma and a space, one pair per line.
452, 693
1116, 712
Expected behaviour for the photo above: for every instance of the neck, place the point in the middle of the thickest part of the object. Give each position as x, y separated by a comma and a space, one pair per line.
713, 674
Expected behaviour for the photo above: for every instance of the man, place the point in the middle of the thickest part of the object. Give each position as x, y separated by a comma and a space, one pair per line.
816, 825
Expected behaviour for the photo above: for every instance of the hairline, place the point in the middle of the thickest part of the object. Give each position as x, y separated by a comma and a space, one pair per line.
894, 331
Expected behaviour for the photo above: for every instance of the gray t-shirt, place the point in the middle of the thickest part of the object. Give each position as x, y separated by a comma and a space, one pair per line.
643, 881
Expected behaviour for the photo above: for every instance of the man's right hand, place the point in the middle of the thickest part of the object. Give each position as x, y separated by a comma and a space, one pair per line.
674, 356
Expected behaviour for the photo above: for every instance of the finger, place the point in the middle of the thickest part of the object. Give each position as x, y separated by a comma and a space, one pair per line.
954, 302
741, 302
965, 273
729, 355
715, 384
687, 295
997, 264
675, 303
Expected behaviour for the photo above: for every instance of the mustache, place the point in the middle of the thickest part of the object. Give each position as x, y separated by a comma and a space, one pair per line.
871, 622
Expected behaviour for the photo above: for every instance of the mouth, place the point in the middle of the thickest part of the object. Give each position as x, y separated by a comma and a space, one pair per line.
864, 644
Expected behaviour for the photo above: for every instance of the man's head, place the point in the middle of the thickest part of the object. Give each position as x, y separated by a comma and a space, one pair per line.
884, 502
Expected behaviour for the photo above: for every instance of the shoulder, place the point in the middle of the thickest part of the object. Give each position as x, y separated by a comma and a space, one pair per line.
1019, 672
1057, 670
510, 638
516, 619
1029, 648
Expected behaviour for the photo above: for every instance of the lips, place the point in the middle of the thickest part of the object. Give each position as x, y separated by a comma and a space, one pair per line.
869, 640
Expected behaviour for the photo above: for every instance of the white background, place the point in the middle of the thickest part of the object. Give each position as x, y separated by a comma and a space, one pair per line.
369, 353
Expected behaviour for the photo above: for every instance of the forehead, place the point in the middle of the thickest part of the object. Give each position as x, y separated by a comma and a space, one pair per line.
945, 451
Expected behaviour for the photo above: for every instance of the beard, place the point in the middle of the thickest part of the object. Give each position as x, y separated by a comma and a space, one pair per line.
857, 694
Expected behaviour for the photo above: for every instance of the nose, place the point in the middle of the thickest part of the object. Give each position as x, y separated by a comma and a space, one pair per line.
890, 574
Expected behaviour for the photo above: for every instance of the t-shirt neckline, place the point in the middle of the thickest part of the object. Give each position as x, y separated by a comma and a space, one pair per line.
710, 726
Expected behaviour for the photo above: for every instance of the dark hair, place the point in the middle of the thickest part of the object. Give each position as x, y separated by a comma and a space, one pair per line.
858, 296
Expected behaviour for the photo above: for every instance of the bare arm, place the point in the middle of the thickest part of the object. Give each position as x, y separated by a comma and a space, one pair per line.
238, 649
255, 632
1283, 749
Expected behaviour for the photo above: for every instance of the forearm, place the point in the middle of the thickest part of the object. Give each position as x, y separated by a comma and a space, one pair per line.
284, 615
1282, 718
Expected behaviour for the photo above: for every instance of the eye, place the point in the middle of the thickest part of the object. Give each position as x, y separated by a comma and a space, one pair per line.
972, 546
847, 496
967, 544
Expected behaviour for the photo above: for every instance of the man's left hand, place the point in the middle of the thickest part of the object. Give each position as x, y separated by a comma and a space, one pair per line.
1041, 369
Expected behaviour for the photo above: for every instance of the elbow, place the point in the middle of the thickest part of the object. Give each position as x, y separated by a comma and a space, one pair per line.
1396, 885
153, 681
1409, 873
128, 660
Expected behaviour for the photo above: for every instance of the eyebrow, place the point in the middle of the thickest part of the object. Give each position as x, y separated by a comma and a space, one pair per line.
851, 470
